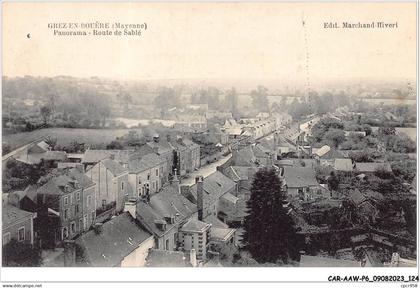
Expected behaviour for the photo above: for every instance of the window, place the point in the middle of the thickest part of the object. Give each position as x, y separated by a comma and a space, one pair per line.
66, 214
6, 238
85, 222
157, 172
93, 216
103, 202
21, 234
80, 224
148, 176
122, 186
66, 201
89, 199
65, 233
73, 227
78, 196
71, 198
76, 209
167, 244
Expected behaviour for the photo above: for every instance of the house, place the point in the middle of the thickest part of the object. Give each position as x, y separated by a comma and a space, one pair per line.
194, 122
164, 214
264, 156
212, 188
299, 181
146, 174
243, 177
17, 224
166, 258
25, 200
320, 152
164, 149
193, 155
66, 205
355, 133
282, 119
112, 188
370, 167
343, 165
195, 234
181, 152
118, 242
165, 231
364, 205
91, 157
244, 157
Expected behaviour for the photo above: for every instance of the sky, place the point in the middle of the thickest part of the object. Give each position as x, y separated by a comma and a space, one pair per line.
213, 40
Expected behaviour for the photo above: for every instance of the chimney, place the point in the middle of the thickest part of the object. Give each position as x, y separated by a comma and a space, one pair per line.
130, 207
193, 258
200, 204
98, 228
69, 253
175, 181
156, 138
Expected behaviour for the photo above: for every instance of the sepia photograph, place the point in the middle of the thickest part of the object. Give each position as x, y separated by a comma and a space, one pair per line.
275, 135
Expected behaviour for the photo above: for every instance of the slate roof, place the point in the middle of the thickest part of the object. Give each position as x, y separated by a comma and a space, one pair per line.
148, 217
230, 198
214, 186
12, 215
215, 222
30, 192
322, 151
146, 162
94, 156
357, 197
169, 202
190, 144
120, 236
195, 225
221, 234
114, 167
165, 258
65, 178
163, 146
300, 176
372, 167
237, 173
318, 261
245, 154
343, 164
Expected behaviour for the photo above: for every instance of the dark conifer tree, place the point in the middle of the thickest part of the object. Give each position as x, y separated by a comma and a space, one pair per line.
269, 232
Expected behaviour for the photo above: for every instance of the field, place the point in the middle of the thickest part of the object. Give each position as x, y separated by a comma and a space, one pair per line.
66, 135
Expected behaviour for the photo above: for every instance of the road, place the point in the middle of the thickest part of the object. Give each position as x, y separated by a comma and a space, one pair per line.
204, 170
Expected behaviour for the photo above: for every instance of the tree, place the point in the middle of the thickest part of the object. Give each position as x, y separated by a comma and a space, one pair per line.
336, 136
333, 181
231, 101
17, 254
52, 142
259, 98
269, 232
46, 113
